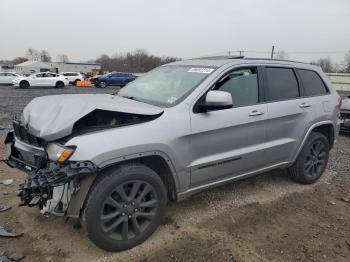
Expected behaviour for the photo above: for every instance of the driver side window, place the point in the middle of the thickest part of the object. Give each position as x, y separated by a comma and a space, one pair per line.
243, 86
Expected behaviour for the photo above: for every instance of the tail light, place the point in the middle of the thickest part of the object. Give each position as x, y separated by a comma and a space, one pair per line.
340, 102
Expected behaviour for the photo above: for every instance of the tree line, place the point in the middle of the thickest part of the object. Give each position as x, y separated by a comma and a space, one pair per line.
328, 66
140, 61
325, 63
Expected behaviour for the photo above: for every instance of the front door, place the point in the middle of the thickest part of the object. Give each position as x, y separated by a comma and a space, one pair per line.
230, 142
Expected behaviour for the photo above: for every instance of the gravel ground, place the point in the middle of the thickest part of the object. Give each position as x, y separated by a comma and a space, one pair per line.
265, 218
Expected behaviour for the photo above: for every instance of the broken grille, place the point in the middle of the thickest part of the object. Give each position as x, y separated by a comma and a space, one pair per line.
22, 134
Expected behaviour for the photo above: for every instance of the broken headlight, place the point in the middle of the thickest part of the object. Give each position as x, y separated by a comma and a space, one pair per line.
59, 153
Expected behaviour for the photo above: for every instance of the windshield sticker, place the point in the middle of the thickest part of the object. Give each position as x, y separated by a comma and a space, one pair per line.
201, 70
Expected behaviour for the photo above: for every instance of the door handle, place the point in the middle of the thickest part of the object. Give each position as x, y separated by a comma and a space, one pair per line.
256, 113
304, 105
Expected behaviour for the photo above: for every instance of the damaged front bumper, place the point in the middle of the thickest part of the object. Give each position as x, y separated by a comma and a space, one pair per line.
49, 185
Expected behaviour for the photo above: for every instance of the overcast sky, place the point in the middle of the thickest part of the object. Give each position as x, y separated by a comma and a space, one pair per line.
84, 29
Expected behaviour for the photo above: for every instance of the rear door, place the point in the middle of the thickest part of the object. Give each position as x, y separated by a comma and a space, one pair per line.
229, 142
289, 113
117, 79
50, 79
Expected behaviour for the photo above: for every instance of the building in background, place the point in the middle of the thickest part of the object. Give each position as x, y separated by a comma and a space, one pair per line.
30, 67
7, 68
340, 81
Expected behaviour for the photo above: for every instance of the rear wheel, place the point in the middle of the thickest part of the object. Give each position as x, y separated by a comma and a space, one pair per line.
59, 84
125, 207
312, 160
23, 84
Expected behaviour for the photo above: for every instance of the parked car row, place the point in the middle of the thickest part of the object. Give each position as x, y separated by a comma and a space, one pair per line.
63, 79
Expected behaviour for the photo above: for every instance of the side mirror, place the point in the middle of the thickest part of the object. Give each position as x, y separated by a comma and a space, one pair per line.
217, 100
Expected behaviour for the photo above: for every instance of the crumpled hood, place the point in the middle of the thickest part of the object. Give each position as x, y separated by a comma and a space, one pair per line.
53, 117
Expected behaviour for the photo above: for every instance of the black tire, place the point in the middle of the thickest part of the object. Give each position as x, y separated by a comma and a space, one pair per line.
103, 84
110, 215
59, 84
312, 160
24, 84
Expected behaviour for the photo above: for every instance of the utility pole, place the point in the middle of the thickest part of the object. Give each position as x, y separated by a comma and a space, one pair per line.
272, 51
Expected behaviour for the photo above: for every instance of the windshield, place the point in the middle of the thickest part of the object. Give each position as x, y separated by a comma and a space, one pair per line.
166, 85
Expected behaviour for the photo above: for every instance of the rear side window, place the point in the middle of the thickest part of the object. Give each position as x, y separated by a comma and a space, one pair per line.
312, 83
282, 83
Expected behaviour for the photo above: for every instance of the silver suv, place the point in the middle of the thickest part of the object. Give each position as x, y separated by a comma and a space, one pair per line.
116, 160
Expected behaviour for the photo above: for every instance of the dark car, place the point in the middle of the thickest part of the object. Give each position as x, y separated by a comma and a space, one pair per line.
113, 79
345, 116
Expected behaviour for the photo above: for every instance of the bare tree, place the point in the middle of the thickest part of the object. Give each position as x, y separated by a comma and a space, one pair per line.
138, 61
62, 58
325, 63
32, 54
105, 62
45, 56
19, 60
282, 55
347, 62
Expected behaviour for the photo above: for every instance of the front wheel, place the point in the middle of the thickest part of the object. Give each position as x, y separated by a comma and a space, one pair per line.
312, 160
125, 207
103, 84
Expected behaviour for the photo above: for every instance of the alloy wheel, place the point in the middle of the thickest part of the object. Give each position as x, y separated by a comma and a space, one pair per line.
316, 160
128, 210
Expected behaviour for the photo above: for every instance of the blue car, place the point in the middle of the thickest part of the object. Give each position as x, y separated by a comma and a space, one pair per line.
113, 79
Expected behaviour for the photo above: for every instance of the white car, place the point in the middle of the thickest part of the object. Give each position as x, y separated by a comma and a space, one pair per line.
73, 77
6, 78
41, 79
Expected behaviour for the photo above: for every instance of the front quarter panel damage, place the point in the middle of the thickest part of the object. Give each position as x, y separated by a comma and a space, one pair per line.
38, 187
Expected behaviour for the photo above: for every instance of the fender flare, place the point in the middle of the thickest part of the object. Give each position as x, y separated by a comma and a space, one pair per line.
311, 128
78, 199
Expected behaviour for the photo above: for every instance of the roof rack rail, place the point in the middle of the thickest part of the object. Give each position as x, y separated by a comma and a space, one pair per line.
220, 57
269, 59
